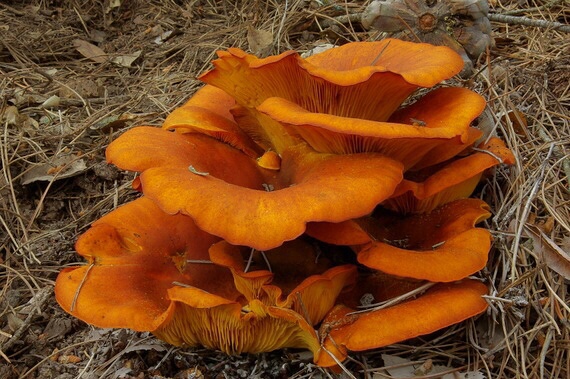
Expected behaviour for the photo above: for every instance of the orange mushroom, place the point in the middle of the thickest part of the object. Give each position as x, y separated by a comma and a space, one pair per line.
366, 80
229, 195
345, 330
440, 246
442, 117
273, 148
312, 286
130, 267
453, 180
343, 100
166, 283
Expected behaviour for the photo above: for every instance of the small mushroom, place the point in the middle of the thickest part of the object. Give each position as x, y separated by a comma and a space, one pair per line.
441, 306
440, 246
452, 180
310, 289
207, 112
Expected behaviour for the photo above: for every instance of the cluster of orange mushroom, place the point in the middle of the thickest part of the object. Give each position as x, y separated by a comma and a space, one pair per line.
298, 203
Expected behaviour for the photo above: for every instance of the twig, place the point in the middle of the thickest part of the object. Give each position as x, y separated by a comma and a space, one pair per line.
514, 20
13, 10
518, 20
548, 5
345, 19
76, 295
393, 301
39, 299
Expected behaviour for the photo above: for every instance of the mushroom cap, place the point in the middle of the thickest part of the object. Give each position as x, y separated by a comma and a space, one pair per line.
341, 233
208, 112
452, 180
270, 160
180, 150
391, 67
360, 80
440, 246
135, 254
441, 306
225, 191
439, 120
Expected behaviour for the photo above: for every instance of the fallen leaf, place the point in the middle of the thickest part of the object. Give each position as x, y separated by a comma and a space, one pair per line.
114, 122
260, 41
80, 87
159, 40
51, 102
552, 254
64, 359
9, 115
23, 98
126, 60
519, 122
398, 367
547, 225
90, 51
112, 4
59, 168
14, 322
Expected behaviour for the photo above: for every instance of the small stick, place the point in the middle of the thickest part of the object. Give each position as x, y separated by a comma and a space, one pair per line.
40, 299
74, 301
266, 261
394, 301
525, 21
194, 171
338, 362
379, 54
249, 260
302, 305
488, 152
513, 20
200, 261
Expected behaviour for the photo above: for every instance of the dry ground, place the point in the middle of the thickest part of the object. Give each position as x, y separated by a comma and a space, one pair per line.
60, 109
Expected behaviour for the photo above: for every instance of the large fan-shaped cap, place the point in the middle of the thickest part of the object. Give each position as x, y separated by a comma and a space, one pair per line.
442, 116
360, 80
135, 254
309, 187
